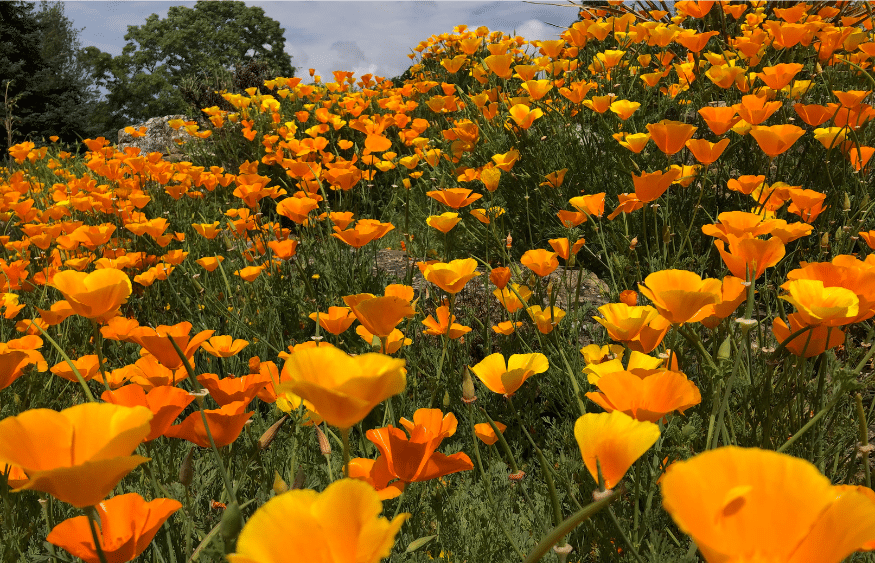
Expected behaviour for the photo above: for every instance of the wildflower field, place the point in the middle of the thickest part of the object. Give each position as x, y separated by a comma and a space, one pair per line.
629, 317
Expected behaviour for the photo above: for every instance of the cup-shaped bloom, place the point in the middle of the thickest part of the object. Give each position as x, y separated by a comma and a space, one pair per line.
649, 186
734, 293
756, 505
96, 296
452, 276
776, 139
225, 423
343, 388
232, 389
638, 363
127, 525
508, 297
501, 276
807, 344
612, 442
644, 394
443, 222
379, 315
506, 377
524, 116
486, 434
755, 109
720, 119
224, 346
748, 257
819, 305
16, 355
416, 458
705, 151
442, 327
296, 208
679, 295
342, 523
375, 472
624, 108
157, 342
165, 402
77, 455
540, 261
545, 319
454, 197
670, 136
563, 247
641, 328
780, 75
336, 320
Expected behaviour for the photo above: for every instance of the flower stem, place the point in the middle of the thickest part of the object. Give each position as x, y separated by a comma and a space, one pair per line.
344, 435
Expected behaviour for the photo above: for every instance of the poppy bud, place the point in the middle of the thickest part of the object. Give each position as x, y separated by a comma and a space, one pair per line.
232, 523
186, 469
324, 445
846, 205
279, 486
270, 434
509, 241
824, 240
633, 243
725, 350
299, 479
468, 393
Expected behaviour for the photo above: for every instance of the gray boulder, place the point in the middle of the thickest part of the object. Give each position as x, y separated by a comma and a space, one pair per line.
160, 137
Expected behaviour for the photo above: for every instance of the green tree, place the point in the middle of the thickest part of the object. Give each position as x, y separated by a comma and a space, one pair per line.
189, 44
44, 88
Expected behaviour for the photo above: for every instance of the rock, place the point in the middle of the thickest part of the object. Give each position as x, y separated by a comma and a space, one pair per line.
160, 137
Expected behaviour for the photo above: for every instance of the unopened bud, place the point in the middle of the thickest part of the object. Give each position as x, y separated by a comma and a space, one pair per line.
846, 204
186, 469
824, 240
633, 243
271, 433
468, 393
725, 350
324, 446
232, 523
509, 241
279, 486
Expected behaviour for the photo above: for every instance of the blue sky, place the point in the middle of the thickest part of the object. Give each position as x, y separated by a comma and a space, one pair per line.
364, 37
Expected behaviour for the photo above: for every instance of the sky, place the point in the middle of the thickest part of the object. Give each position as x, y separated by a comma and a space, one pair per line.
363, 37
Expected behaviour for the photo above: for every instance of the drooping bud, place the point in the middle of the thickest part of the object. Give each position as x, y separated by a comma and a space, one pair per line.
231, 524
271, 433
279, 486
468, 393
186, 469
324, 445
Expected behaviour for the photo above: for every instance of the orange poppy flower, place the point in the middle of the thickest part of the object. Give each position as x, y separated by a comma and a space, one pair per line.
641, 328
592, 205
77, 455
505, 161
813, 114
336, 320
507, 378
649, 186
734, 293
226, 423
165, 402
670, 136
732, 500
343, 388
379, 315
720, 119
17, 355
680, 296
755, 109
646, 394
564, 249
635, 142
612, 442
776, 139
443, 222
442, 327
452, 276
365, 231
524, 116
705, 151
296, 208
629, 297
416, 458
542, 262
96, 296
508, 297
127, 525
157, 342
87, 366
599, 104
308, 521
748, 257
545, 319
388, 345
780, 75
232, 389
501, 276
283, 249
454, 197
210, 263
375, 472
486, 434
808, 344
224, 346
819, 305
624, 108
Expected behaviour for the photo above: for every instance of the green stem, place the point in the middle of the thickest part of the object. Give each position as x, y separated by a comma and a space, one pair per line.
91, 513
567, 525
344, 435
69, 362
